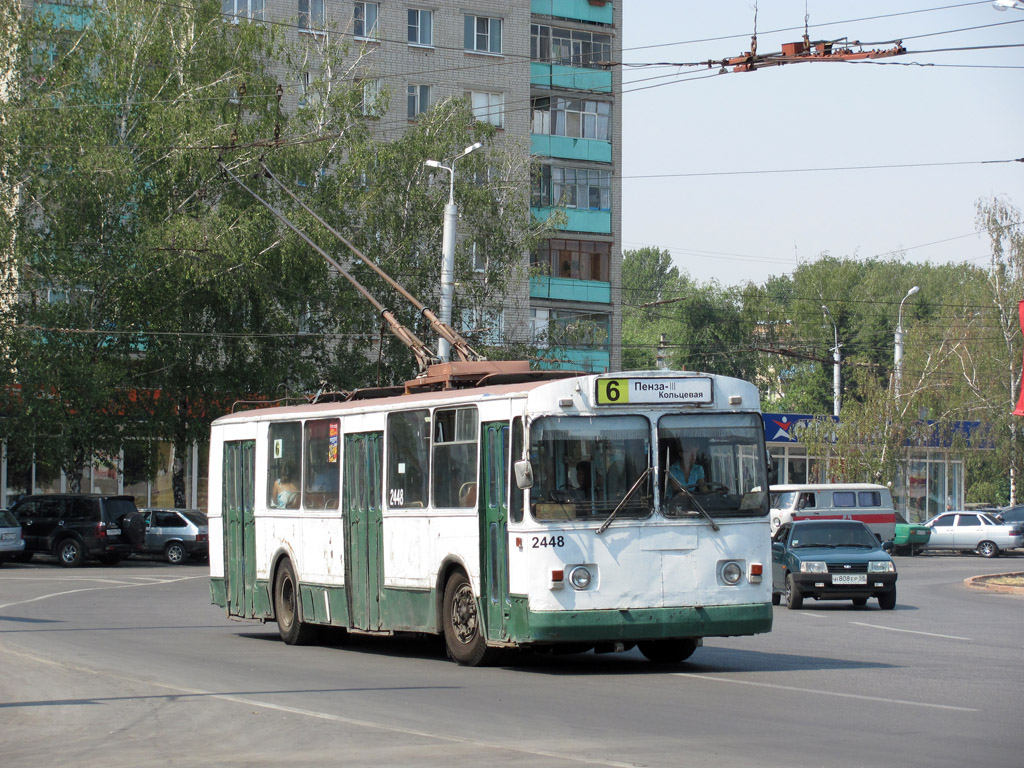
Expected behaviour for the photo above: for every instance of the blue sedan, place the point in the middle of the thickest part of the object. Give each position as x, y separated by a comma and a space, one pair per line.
831, 560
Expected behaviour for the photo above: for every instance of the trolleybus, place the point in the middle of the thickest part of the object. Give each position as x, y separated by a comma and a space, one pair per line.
539, 514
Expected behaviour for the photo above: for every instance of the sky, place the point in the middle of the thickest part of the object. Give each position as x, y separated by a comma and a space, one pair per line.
736, 228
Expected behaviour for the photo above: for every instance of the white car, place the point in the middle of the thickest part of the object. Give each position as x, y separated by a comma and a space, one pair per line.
963, 530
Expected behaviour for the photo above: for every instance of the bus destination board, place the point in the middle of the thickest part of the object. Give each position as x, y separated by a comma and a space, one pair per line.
660, 391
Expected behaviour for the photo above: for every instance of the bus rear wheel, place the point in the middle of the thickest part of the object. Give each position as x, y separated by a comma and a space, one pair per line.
463, 632
286, 608
668, 651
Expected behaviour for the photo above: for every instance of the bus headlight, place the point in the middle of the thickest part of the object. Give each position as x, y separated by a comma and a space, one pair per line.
732, 572
813, 566
580, 577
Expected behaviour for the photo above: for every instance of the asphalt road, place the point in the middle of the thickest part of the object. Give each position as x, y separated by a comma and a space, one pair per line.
131, 666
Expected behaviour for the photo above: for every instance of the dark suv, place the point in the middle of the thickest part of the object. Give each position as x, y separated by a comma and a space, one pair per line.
74, 526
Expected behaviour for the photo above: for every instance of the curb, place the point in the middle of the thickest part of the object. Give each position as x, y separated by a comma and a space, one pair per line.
982, 582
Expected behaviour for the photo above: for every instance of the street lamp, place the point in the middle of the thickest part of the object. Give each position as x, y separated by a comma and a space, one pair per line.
898, 349
1005, 5
835, 364
451, 214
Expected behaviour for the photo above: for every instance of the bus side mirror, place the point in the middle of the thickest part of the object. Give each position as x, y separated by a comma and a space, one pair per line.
524, 474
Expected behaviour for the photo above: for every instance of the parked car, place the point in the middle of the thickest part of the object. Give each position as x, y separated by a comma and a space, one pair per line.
831, 560
11, 543
973, 531
909, 538
74, 527
1014, 514
177, 534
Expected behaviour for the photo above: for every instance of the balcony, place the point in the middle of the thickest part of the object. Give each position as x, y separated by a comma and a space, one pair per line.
578, 10
572, 78
591, 360
594, 150
594, 222
568, 289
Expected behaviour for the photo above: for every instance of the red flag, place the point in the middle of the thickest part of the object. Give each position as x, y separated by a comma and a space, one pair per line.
1019, 410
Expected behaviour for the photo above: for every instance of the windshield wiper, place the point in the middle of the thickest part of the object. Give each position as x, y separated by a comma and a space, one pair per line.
684, 489
604, 526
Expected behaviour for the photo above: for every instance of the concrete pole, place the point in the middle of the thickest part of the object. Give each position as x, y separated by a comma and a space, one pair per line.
451, 214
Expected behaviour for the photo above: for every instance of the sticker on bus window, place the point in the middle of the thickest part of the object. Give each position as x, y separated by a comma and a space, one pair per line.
278, 448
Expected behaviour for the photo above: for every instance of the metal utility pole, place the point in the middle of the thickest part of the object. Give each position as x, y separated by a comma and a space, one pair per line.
835, 364
451, 215
898, 347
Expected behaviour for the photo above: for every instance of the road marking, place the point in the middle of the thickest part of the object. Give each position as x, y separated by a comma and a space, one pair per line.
251, 702
94, 589
910, 631
826, 693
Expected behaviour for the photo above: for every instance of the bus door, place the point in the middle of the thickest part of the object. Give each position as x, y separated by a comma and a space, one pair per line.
494, 528
361, 484
237, 503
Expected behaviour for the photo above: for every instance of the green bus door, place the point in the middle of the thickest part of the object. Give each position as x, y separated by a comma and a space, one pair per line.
239, 492
494, 528
361, 486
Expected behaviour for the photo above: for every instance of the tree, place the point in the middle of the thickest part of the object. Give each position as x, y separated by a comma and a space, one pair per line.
649, 280
162, 291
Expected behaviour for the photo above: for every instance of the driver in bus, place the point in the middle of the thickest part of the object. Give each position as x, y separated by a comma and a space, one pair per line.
684, 471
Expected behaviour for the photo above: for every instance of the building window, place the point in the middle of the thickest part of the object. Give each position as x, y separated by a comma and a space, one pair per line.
488, 107
574, 259
242, 9
572, 330
419, 100
483, 34
484, 326
574, 118
421, 27
372, 102
581, 188
478, 254
365, 20
569, 47
311, 15
304, 89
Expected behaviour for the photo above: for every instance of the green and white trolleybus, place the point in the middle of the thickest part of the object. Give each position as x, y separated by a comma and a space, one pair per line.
595, 511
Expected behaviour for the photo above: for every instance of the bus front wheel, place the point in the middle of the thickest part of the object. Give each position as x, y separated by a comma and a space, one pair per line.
463, 631
286, 608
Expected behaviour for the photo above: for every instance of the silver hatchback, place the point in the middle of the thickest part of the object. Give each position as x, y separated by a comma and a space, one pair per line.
177, 534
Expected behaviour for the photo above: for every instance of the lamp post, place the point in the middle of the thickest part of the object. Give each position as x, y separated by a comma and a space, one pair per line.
451, 214
835, 364
898, 347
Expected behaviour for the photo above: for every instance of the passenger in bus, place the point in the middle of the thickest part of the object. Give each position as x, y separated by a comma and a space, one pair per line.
285, 493
684, 471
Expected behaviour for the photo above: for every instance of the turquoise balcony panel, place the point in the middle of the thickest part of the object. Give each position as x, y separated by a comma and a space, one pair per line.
66, 17
580, 10
575, 78
572, 149
591, 360
567, 289
595, 222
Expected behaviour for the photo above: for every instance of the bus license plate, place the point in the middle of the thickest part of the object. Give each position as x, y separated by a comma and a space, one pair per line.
849, 578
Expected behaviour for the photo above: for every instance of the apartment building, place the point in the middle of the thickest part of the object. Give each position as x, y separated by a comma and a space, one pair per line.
544, 72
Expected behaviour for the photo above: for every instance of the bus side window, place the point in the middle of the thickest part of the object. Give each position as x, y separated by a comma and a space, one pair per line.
515, 512
454, 459
408, 446
284, 465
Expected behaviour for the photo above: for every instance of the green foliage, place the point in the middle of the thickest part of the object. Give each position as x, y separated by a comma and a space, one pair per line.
155, 290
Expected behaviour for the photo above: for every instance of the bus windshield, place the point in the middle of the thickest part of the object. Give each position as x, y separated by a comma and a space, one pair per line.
712, 462
585, 465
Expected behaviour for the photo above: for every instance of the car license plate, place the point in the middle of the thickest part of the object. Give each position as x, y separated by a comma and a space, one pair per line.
7, 537
113, 531
849, 578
